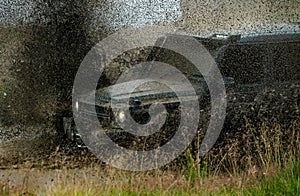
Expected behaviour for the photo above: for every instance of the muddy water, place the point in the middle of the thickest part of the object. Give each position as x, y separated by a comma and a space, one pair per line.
18, 145
235, 15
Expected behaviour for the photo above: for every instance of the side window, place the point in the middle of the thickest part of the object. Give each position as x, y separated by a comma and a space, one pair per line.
286, 61
244, 63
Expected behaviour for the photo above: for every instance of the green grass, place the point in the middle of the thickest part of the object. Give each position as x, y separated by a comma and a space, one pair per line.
286, 182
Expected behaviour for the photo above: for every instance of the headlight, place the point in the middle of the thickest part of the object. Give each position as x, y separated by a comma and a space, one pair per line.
121, 116
77, 106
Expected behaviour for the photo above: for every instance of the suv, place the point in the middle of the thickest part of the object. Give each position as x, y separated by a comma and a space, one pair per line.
261, 75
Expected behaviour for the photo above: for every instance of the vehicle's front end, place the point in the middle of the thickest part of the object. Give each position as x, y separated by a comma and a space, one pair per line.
118, 107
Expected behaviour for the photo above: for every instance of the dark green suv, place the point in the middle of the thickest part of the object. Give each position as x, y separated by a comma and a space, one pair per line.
261, 74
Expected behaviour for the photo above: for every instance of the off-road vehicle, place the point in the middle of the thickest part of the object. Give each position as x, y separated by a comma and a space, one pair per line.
261, 75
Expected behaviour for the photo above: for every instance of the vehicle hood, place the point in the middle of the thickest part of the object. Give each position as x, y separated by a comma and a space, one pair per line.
147, 92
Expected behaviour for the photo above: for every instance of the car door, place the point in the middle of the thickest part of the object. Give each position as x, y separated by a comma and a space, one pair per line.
246, 64
281, 99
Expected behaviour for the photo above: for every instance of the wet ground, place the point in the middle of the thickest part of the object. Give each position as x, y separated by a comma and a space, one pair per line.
40, 149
